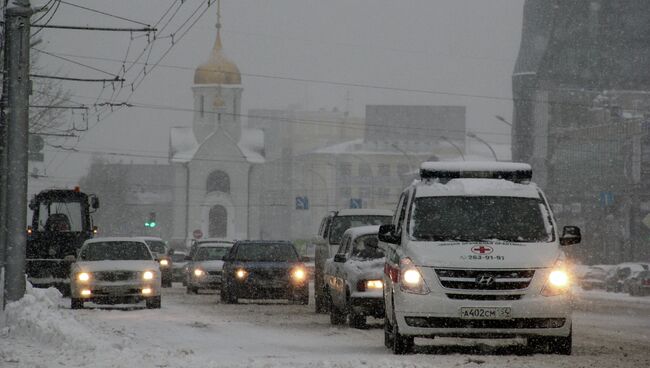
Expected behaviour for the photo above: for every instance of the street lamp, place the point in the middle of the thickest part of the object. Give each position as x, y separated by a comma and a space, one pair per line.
472, 135
460, 151
409, 158
503, 120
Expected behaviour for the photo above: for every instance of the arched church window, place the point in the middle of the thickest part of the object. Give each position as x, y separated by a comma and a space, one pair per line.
218, 218
218, 181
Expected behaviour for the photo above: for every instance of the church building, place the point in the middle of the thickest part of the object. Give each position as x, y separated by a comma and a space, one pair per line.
213, 159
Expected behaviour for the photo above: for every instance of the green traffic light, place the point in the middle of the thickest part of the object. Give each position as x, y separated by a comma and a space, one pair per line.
152, 224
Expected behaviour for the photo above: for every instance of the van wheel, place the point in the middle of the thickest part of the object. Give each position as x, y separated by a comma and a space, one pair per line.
355, 320
76, 303
401, 344
337, 316
388, 333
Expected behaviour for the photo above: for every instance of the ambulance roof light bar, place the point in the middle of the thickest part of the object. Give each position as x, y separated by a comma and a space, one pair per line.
445, 171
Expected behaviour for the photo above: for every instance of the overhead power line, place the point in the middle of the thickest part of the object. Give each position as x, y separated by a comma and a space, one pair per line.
88, 28
103, 13
116, 79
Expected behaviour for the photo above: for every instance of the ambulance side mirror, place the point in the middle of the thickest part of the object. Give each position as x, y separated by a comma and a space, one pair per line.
570, 235
387, 234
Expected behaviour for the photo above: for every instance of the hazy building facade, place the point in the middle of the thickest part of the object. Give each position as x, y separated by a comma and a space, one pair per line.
579, 108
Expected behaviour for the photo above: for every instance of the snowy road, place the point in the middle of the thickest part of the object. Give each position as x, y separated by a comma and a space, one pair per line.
195, 330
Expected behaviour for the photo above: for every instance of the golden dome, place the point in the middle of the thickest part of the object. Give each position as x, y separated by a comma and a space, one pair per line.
218, 69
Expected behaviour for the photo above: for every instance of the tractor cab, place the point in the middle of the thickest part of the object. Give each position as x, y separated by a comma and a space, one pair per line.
61, 222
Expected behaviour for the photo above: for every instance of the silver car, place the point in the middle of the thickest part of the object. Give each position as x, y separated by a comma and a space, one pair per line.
204, 271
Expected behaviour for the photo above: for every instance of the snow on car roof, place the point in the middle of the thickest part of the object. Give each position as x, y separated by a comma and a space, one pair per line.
113, 239
148, 238
363, 211
476, 187
216, 244
356, 232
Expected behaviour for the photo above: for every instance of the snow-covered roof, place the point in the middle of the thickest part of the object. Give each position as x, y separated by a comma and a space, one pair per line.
183, 144
476, 187
364, 211
251, 145
216, 244
148, 238
362, 230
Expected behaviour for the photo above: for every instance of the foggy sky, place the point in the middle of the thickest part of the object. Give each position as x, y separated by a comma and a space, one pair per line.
450, 46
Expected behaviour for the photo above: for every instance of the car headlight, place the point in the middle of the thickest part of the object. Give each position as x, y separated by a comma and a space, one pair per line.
374, 284
299, 274
241, 273
148, 275
198, 272
411, 280
83, 276
558, 282
364, 285
164, 262
558, 278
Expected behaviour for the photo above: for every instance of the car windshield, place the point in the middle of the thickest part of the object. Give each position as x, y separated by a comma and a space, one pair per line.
266, 252
115, 251
366, 248
341, 223
480, 219
156, 246
211, 253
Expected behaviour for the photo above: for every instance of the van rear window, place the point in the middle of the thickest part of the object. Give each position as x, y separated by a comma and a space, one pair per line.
480, 218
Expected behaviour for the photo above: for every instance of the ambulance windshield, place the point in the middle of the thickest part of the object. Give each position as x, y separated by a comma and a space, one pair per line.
480, 219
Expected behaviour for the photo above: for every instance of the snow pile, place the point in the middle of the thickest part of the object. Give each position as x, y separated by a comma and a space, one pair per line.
37, 317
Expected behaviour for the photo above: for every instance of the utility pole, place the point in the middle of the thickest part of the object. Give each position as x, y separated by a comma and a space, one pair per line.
3, 162
17, 27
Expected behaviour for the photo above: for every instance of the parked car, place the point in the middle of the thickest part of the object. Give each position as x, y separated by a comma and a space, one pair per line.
641, 285
594, 278
179, 262
616, 277
205, 268
162, 254
329, 237
115, 270
264, 269
354, 285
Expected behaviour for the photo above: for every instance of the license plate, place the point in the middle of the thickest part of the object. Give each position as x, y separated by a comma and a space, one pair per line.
485, 313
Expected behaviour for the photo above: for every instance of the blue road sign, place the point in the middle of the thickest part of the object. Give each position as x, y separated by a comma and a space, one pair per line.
606, 199
302, 203
356, 203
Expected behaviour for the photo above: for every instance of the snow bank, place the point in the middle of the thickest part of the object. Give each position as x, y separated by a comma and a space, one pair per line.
38, 317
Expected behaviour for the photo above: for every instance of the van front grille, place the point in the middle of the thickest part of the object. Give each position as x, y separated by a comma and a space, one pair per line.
485, 279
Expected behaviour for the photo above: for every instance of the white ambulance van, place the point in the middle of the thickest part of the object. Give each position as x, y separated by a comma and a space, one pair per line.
474, 251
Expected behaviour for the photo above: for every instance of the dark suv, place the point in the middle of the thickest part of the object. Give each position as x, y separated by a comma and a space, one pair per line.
264, 269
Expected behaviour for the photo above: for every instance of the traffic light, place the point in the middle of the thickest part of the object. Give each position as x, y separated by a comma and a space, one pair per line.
151, 222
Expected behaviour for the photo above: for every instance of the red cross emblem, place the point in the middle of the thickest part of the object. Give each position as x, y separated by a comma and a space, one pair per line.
482, 249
